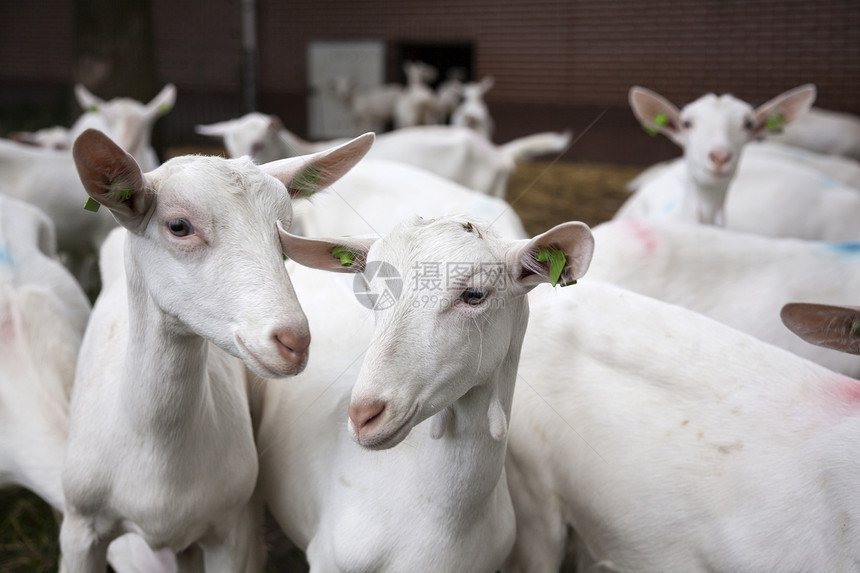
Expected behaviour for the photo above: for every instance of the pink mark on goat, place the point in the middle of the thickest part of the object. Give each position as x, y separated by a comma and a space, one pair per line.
846, 390
644, 234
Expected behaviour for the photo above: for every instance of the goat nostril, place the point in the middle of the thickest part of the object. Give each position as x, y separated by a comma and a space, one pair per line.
366, 414
291, 346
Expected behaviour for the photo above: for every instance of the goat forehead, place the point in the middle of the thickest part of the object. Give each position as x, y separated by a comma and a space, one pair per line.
222, 184
450, 239
724, 106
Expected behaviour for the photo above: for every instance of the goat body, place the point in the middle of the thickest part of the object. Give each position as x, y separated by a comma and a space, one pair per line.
739, 279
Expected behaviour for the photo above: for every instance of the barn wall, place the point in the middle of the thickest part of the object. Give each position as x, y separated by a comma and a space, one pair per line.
557, 64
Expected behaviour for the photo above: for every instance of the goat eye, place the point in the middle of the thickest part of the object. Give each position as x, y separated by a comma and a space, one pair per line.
748, 125
687, 124
473, 296
180, 227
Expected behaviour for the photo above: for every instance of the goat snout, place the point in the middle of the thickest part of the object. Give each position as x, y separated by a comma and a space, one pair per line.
291, 345
365, 415
720, 157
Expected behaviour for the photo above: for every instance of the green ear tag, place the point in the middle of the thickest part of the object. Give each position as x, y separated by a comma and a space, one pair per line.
775, 122
346, 256
306, 182
659, 119
163, 108
93, 108
124, 194
556, 260
92, 205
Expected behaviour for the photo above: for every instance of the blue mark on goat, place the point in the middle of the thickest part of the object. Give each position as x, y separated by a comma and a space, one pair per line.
670, 207
5, 256
848, 248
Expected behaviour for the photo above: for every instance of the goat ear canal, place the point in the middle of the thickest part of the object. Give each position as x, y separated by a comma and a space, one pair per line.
440, 422
498, 420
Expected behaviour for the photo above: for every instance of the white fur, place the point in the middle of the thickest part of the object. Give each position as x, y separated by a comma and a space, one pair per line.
673, 443
473, 112
47, 178
377, 194
740, 279
824, 131
417, 104
438, 501
160, 438
130, 121
844, 169
371, 108
771, 195
712, 131
43, 314
448, 94
56, 137
454, 153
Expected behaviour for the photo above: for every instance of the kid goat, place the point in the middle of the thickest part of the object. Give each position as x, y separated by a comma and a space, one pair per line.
160, 439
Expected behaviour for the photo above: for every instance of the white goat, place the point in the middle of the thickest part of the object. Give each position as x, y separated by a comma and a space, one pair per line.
263, 137
448, 94
742, 280
454, 153
673, 443
712, 131
473, 112
130, 121
60, 138
417, 104
371, 108
43, 313
47, 179
824, 131
439, 502
56, 137
377, 194
160, 439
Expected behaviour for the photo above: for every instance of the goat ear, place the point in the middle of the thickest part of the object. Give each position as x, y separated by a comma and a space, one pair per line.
784, 108
213, 129
836, 327
307, 174
341, 255
86, 99
655, 113
163, 102
558, 256
113, 179
487, 83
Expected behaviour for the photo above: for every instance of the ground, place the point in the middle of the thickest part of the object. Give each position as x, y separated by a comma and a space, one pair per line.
544, 194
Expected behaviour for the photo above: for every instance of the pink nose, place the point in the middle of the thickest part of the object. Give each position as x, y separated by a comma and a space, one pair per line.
291, 345
365, 415
720, 157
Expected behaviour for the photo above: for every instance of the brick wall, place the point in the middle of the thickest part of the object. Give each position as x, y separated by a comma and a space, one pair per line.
557, 63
